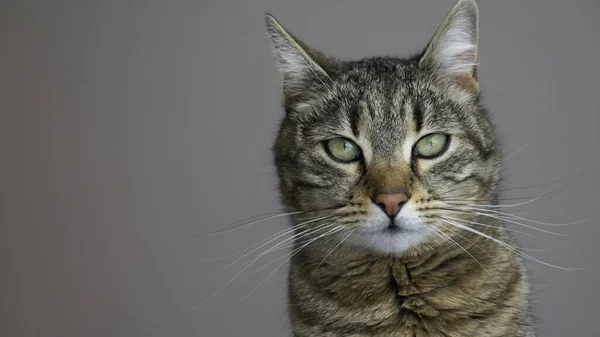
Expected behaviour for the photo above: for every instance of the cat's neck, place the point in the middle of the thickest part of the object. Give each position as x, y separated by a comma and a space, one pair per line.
426, 284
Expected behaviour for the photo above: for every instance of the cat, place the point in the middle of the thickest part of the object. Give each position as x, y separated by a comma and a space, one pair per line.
391, 167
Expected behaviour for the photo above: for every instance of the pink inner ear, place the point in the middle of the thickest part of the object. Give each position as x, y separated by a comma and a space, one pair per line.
468, 78
468, 81
469, 57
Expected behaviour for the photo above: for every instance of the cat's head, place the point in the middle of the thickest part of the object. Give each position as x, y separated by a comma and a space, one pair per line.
387, 147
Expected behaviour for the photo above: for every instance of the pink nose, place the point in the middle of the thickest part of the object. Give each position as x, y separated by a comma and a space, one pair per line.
391, 203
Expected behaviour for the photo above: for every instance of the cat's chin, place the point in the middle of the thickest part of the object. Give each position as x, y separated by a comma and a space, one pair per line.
387, 242
379, 235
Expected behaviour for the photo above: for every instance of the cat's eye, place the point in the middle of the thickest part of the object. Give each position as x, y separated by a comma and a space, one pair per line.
432, 145
342, 149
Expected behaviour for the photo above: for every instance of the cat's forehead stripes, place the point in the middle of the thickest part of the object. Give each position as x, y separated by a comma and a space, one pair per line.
417, 114
387, 108
384, 114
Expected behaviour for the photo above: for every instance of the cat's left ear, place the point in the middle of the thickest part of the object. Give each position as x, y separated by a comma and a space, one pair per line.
452, 52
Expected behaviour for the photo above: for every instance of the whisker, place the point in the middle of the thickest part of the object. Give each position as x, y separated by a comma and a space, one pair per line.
510, 188
509, 247
507, 229
331, 251
514, 153
504, 219
289, 246
461, 247
303, 234
471, 242
281, 245
228, 283
536, 198
272, 262
267, 216
277, 237
533, 186
339, 228
470, 200
273, 250
285, 231
229, 230
225, 257
512, 215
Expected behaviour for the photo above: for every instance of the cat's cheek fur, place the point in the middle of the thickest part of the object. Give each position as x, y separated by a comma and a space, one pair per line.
374, 231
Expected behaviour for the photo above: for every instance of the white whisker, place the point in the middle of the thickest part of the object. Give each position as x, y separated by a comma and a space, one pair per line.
303, 234
225, 230
504, 244
339, 228
281, 245
331, 251
277, 237
515, 153
232, 279
513, 215
506, 229
461, 247
507, 220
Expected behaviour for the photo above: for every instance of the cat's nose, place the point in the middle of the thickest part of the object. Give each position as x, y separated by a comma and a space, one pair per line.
391, 201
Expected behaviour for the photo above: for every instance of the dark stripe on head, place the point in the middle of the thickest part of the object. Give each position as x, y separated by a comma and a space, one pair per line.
484, 152
473, 176
418, 117
354, 120
306, 184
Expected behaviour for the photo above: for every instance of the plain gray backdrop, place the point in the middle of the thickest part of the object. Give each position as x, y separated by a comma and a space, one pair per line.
128, 126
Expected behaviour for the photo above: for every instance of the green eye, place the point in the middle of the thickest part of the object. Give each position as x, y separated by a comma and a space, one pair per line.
342, 149
432, 145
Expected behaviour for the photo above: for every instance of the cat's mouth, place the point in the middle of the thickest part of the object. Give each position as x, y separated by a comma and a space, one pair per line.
404, 222
390, 236
402, 225
393, 227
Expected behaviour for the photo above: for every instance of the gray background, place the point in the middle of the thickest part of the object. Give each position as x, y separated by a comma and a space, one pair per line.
127, 126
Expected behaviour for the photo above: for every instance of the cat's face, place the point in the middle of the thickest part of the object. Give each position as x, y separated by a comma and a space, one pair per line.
386, 147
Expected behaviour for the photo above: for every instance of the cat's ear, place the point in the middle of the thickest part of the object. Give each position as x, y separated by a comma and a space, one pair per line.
301, 66
452, 52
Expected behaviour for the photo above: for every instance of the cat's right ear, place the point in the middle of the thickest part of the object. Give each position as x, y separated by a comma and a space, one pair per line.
303, 68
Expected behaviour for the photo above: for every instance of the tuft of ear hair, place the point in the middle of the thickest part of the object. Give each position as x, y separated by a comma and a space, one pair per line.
452, 52
300, 65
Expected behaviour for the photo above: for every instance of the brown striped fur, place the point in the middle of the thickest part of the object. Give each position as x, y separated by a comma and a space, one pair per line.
436, 292
437, 268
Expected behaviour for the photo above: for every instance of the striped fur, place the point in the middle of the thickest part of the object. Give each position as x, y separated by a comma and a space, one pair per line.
355, 278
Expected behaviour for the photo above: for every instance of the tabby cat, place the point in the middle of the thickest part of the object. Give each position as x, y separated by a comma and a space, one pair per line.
391, 166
